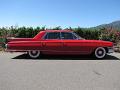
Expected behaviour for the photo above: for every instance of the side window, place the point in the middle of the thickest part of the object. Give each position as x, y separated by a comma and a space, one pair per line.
52, 35
67, 35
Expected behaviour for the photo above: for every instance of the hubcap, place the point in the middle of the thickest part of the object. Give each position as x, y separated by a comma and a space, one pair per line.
34, 54
100, 52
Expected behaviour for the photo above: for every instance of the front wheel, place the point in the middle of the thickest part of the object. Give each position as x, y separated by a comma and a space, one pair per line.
100, 52
34, 54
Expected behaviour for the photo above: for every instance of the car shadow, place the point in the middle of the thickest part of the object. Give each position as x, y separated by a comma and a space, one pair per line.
64, 57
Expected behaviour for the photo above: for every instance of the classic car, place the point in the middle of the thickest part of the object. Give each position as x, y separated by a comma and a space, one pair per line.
63, 42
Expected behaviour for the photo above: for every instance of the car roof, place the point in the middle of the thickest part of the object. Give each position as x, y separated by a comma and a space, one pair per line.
58, 30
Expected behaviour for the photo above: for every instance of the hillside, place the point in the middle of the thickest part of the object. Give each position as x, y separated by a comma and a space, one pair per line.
115, 25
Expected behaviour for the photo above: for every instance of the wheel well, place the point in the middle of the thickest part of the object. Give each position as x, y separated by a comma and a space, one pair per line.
106, 49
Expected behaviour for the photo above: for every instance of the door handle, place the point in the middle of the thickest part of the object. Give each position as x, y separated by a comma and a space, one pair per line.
43, 44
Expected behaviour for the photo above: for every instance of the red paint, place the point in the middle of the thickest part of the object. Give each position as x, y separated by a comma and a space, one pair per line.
56, 46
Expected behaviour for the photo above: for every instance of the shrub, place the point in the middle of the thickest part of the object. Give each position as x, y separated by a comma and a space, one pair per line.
109, 34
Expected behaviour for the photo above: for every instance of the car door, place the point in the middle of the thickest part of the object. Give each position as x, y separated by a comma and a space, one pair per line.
71, 43
52, 43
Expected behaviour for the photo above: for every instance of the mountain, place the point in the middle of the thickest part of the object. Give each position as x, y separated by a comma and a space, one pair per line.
115, 25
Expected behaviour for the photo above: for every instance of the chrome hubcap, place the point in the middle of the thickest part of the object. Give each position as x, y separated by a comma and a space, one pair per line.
34, 52
100, 52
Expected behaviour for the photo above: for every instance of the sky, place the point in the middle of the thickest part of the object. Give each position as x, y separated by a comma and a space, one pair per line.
64, 13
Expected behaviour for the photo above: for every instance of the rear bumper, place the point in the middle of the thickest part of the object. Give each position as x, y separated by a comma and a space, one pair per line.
7, 50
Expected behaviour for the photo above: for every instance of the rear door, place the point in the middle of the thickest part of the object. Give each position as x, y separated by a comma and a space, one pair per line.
71, 44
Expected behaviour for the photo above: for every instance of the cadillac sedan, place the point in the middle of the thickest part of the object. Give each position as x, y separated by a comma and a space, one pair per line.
62, 42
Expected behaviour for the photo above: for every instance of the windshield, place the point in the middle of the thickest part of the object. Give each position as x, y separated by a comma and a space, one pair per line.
78, 37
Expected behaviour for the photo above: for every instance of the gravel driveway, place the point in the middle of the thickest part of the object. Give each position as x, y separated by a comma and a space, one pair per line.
18, 72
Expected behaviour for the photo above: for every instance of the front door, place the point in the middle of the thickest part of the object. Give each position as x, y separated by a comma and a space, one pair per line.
52, 43
71, 44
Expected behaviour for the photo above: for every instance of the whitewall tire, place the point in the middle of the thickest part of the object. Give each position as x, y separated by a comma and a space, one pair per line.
100, 52
34, 54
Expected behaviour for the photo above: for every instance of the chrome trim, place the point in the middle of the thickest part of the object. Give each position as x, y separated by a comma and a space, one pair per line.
6, 46
7, 50
110, 49
60, 35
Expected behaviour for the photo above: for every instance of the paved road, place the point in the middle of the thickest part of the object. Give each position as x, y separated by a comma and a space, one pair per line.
18, 72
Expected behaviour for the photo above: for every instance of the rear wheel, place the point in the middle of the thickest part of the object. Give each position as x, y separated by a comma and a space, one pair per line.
34, 54
100, 52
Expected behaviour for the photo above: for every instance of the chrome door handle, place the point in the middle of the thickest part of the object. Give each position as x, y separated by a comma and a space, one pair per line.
43, 44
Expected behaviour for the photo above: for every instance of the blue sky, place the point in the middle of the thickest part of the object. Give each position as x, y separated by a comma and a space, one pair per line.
64, 13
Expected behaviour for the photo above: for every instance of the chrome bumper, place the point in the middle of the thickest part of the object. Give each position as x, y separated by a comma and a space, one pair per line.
6, 46
110, 50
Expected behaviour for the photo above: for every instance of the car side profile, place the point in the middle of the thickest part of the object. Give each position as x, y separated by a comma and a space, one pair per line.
63, 42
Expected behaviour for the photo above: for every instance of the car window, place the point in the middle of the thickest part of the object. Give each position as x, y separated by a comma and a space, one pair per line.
53, 35
67, 35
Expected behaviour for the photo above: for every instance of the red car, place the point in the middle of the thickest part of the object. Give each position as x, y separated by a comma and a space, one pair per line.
59, 42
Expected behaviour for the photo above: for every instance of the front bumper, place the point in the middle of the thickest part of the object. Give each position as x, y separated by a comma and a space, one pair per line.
110, 50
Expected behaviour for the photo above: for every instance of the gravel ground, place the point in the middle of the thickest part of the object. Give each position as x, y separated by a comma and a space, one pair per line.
18, 72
